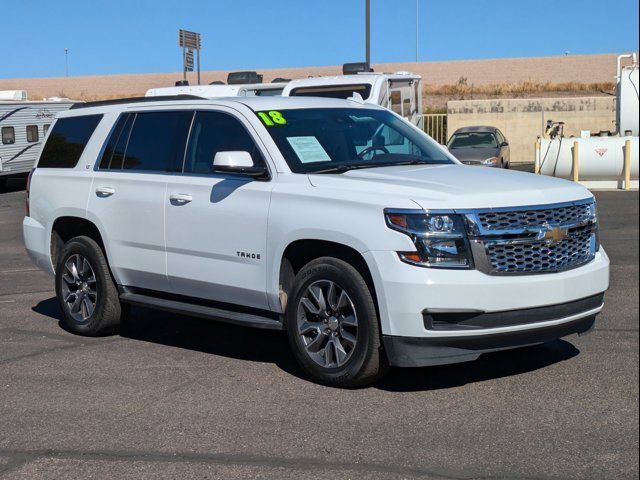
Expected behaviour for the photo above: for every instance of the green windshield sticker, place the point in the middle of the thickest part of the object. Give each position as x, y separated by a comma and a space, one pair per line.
272, 118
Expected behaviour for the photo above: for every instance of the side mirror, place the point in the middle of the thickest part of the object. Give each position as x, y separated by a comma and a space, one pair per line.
237, 162
504, 144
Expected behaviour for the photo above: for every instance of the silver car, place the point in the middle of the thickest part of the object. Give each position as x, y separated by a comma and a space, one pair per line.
480, 146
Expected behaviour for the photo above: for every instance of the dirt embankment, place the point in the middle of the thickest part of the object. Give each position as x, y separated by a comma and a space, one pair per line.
583, 75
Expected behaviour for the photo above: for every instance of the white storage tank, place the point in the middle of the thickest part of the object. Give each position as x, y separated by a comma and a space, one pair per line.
627, 97
601, 159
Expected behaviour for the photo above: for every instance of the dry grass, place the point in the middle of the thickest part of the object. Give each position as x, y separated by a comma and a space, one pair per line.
462, 89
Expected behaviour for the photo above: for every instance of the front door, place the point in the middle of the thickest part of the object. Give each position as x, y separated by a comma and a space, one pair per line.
216, 224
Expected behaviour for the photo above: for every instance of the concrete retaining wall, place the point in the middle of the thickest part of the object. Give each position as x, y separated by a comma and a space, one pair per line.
523, 120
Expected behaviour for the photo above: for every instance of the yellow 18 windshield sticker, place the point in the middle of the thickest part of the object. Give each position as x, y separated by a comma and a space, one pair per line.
272, 118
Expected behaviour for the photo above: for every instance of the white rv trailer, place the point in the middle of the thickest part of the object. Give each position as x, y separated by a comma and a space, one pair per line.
220, 91
23, 127
400, 92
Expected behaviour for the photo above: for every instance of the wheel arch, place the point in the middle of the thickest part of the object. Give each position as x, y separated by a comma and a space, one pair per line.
297, 253
65, 228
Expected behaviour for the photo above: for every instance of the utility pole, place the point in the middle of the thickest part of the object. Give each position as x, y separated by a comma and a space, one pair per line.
367, 15
66, 62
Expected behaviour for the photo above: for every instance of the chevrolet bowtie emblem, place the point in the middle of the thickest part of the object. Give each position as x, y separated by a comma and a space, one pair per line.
556, 234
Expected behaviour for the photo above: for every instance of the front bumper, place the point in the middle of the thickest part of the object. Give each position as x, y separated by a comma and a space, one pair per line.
404, 292
422, 352
506, 311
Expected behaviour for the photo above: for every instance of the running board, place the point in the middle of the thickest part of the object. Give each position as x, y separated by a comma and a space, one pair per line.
202, 311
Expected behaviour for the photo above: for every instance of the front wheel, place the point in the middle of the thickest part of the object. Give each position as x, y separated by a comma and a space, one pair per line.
332, 325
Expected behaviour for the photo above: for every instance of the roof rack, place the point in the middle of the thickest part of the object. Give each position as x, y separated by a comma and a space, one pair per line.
121, 101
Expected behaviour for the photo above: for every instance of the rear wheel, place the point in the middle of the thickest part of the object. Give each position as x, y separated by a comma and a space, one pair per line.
332, 325
86, 292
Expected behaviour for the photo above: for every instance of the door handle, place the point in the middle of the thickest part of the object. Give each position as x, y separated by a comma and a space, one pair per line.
105, 191
180, 198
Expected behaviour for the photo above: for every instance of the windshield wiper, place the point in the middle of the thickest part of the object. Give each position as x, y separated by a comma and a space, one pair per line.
358, 166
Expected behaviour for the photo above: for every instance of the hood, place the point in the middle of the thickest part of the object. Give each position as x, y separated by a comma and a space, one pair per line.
474, 154
454, 186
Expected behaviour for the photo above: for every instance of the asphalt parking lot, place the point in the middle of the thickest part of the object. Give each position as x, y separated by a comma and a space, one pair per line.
177, 397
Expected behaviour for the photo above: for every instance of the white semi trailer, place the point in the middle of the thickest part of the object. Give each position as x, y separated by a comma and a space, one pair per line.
599, 161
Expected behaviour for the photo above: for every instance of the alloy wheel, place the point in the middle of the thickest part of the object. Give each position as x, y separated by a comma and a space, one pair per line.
327, 324
79, 293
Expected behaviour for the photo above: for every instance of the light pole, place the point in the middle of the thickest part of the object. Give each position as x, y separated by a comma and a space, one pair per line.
66, 62
417, 28
367, 14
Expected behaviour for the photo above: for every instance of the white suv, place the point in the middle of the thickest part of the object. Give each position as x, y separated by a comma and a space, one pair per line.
336, 221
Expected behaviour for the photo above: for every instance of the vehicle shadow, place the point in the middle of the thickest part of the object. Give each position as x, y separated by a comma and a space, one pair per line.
268, 346
489, 366
17, 184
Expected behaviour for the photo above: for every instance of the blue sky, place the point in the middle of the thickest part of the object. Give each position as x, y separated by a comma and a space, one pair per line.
118, 36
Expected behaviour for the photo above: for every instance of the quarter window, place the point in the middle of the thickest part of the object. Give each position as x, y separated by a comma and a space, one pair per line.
67, 141
157, 141
214, 132
45, 129
32, 133
8, 135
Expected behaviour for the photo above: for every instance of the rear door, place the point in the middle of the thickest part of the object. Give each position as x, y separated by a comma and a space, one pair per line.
216, 224
129, 189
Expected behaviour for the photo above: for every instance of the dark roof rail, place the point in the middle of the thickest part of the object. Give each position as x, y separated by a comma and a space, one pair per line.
122, 101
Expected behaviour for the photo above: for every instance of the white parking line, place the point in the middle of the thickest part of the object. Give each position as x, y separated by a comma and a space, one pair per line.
17, 270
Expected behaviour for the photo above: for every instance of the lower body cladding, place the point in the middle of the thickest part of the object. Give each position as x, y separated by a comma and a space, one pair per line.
437, 316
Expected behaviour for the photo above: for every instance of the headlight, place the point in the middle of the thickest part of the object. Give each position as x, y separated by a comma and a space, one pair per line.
440, 239
491, 162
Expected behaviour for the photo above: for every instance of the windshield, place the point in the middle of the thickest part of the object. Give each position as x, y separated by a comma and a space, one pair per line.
473, 140
329, 140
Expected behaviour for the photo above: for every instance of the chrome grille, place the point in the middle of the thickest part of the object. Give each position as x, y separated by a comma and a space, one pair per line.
541, 256
534, 240
528, 219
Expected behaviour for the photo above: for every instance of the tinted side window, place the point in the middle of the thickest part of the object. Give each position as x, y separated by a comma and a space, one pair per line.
157, 141
8, 135
214, 132
114, 150
67, 141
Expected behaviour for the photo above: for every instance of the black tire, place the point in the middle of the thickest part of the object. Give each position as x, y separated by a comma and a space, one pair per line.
106, 315
367, 362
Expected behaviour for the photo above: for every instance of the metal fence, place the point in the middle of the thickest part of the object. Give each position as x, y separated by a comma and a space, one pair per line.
435, 125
